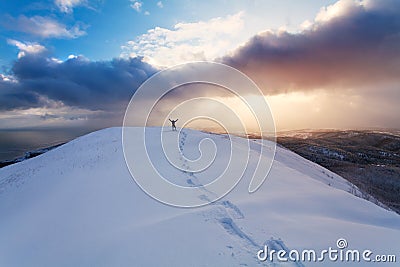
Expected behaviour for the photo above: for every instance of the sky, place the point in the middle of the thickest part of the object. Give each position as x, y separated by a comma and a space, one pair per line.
319, 64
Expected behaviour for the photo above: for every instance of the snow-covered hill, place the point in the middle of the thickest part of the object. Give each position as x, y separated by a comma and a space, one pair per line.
77, 205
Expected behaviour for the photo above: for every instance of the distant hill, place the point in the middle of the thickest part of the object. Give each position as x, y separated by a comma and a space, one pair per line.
370, 159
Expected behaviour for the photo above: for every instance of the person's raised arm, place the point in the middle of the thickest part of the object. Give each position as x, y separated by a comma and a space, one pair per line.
170, 120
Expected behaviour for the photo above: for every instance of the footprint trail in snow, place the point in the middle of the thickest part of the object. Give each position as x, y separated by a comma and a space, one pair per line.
225, 213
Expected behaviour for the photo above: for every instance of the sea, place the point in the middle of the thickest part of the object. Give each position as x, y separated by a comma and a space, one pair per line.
15, 143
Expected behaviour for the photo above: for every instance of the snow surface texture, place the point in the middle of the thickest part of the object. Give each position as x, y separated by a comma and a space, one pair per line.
77, 205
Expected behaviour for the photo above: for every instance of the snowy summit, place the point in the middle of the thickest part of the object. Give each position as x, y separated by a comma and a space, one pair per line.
77, 205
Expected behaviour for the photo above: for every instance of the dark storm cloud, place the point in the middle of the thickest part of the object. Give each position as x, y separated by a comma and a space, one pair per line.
77, 82
12, 97
359, 46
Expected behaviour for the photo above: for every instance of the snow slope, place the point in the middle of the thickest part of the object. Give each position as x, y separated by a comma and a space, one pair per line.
77, 205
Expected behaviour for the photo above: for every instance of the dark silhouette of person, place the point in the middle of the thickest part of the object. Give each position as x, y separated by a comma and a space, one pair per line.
173, 124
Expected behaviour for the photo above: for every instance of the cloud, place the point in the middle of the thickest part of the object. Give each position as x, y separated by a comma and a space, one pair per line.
40, 81
27, 47
350, 44
339, 9
348, 109
43, 27
136, 5
6, 78
160, 4
60, 116
67, 6
204, 40
343, 62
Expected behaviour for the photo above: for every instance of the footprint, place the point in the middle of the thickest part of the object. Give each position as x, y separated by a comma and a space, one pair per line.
230, 226
233, 210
